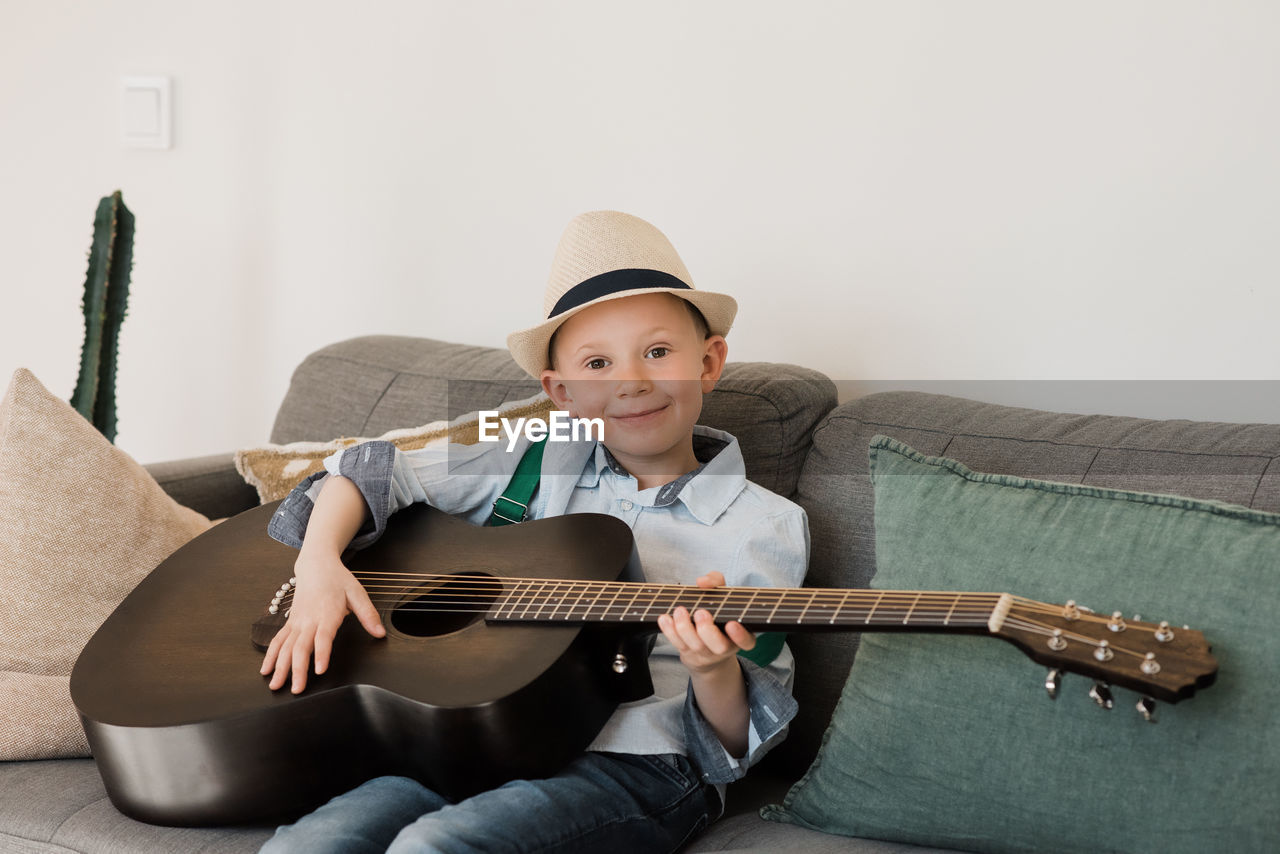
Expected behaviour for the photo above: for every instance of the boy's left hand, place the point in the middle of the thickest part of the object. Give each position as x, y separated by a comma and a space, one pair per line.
701, 644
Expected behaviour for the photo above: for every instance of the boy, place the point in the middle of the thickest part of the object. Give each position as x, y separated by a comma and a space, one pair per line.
627, 340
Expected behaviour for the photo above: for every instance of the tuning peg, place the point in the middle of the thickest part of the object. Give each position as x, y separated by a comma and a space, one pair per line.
1053, 682
1101, 694
1103, 652
1147, 708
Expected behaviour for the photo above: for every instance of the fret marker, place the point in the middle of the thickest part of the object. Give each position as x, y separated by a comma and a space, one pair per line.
999, 613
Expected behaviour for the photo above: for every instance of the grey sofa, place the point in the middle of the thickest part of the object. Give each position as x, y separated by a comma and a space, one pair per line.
797, 441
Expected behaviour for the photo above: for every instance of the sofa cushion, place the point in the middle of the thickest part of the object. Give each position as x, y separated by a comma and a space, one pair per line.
1239, 463
81, 523
60, 806
950, 740
741, 829
749, 835
369, 385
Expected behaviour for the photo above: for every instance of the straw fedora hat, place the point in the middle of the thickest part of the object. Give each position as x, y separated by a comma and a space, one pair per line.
606, 255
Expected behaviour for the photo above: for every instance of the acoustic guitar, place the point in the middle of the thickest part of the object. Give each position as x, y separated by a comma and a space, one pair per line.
506, 651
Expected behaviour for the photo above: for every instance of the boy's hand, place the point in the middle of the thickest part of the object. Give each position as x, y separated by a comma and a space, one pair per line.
326, 593
701, 644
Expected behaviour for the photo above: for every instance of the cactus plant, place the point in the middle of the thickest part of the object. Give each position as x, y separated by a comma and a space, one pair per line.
106, 294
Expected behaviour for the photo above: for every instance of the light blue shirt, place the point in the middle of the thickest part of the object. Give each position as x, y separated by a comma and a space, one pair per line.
710, 519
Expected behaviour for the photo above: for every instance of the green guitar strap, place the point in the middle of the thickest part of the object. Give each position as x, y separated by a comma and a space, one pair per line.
513, 504
768, 645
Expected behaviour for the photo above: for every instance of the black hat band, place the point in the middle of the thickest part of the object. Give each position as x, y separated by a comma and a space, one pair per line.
614, 282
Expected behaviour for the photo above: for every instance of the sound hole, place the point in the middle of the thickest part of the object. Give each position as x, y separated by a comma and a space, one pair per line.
447, 606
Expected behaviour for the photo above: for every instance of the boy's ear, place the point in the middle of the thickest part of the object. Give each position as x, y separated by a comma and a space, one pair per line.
715, 352
556, 390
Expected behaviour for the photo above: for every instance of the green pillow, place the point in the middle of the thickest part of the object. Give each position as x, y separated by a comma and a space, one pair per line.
952, 741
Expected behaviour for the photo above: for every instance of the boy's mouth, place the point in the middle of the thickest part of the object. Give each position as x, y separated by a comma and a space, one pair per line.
638, 417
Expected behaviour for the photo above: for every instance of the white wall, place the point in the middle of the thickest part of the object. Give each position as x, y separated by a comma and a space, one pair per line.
896, 192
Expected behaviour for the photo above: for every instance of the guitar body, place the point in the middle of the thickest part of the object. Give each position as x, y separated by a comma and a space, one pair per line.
185, 730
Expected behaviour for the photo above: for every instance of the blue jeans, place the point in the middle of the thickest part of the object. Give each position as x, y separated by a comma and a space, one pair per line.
614, 802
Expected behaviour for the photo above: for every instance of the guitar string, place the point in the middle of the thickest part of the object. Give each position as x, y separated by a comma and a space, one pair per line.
808, 598
580, 588
832, 597
961, 617
972, 619
812, 597
1041, 629
957, 616
720, 598
840, 593
650, 612
981, 615
963, 608
715, 594
780, 610
964, 619
501, 581
1034, 628
824, 599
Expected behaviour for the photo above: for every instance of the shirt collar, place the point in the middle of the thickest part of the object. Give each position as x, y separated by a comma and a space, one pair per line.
706, 492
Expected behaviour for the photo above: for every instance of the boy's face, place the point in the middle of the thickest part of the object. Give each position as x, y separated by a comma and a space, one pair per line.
639, 364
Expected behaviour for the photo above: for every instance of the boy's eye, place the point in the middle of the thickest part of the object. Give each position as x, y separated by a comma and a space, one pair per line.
657, 352
596, 364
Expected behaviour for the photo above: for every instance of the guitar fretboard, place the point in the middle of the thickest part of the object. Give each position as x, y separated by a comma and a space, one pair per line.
560, 601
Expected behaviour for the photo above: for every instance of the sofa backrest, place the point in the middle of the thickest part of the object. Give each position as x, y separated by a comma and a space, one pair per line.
1237, 463
369, 385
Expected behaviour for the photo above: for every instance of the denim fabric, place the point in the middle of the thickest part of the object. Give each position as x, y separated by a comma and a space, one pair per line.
710, 519
612, 802
370, 469
771, 706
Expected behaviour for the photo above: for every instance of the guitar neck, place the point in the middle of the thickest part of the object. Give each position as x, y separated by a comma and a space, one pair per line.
757, 608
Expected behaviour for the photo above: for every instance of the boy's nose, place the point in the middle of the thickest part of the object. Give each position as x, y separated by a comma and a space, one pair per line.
634, 386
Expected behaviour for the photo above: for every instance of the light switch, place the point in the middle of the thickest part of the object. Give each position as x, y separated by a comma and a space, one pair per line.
145, 112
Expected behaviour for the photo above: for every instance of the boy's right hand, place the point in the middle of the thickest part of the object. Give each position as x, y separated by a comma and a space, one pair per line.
326, 592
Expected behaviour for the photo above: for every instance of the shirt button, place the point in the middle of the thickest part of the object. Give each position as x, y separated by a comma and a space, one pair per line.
626, 505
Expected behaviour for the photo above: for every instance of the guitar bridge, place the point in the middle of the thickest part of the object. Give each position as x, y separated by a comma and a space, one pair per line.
266, 626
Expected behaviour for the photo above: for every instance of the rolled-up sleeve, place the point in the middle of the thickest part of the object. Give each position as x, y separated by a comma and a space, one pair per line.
371, 466
289, 523
771, 707
461, 479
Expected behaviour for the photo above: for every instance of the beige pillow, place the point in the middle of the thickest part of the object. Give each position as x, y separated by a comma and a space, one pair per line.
274, 470
81, 523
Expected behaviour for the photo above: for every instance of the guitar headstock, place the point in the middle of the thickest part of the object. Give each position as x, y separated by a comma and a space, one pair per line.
1157, 660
